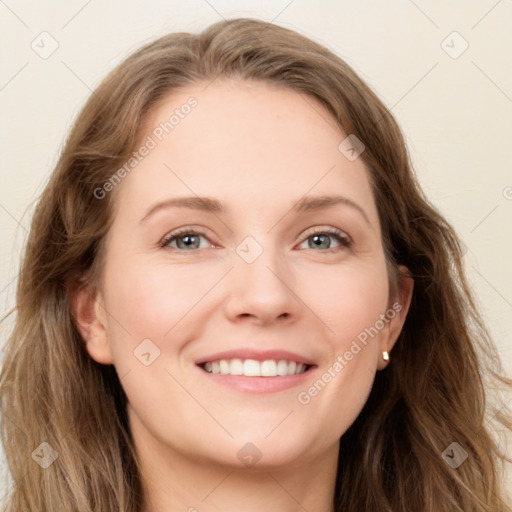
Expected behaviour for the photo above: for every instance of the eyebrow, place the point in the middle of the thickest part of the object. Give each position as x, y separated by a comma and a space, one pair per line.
305, 204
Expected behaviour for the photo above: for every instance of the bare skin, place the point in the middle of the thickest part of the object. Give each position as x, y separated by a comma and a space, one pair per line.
204, 443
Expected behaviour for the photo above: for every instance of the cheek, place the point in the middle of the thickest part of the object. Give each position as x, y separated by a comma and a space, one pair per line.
351, 304
349, 300
150, 299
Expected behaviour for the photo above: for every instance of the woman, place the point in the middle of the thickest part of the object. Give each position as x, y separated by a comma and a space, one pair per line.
236, 296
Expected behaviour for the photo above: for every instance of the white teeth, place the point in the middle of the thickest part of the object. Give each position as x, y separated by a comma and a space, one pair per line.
282, 368
236, 367
268, 368
254, 368
224, 367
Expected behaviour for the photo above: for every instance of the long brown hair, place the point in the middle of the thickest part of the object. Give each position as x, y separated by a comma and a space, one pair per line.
433, 393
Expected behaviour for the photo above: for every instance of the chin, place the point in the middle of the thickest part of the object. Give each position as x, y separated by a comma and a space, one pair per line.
257, 452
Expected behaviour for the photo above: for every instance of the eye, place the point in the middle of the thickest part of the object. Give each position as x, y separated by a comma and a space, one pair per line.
190, 239
186, 239
322, 239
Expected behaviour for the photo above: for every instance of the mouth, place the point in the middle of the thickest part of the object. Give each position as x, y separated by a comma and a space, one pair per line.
255, 368
255, 371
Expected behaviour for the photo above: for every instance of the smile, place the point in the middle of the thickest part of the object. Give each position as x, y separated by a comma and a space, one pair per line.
254, 368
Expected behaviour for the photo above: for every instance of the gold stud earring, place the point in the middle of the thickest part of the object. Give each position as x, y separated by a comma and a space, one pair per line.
385, 355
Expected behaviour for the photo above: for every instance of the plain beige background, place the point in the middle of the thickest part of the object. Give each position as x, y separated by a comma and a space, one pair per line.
443, 68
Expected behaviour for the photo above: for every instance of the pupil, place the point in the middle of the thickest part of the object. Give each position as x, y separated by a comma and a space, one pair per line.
188, 240
317, 238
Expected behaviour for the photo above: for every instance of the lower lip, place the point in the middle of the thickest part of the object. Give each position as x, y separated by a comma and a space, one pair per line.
258, 384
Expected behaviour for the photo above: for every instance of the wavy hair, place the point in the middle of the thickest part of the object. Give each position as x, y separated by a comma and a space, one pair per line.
434, 392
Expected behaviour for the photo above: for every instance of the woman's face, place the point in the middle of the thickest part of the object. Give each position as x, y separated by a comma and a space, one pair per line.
263, 278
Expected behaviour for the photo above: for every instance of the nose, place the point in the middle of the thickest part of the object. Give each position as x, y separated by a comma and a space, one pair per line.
261, 291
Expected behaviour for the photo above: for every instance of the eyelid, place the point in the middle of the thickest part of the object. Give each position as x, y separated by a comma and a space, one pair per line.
328, 230
185, 230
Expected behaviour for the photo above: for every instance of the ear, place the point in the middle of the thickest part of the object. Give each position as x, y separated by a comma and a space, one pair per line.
400, 306
91, 321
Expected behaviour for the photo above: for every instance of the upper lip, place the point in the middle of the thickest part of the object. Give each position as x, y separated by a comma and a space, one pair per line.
258, 355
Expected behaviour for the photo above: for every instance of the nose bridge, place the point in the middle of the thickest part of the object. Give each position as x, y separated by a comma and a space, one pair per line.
260, 281
258, 262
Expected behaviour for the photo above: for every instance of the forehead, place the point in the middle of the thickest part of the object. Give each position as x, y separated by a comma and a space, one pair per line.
246, 143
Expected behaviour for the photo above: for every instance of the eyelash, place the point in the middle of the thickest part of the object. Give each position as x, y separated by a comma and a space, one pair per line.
341, 238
